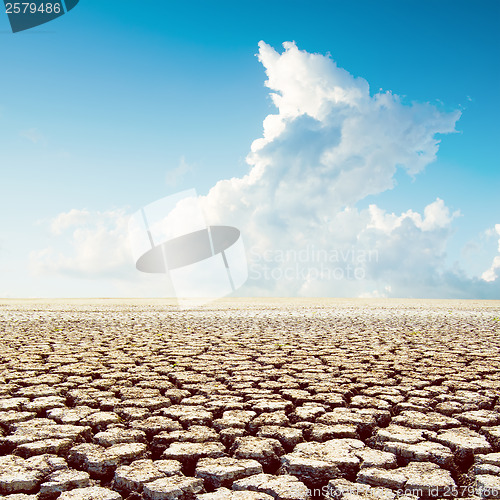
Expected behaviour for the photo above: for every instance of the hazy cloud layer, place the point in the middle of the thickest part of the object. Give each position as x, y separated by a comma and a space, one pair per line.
177, 174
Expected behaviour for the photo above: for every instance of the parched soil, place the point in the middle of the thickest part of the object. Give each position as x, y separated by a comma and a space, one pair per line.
249, 400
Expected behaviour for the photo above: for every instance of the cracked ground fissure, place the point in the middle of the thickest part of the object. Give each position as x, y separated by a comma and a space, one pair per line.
249, 399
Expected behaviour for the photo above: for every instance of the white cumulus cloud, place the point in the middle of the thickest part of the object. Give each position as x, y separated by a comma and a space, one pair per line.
491, 274
329, 145
436, 215
91, 244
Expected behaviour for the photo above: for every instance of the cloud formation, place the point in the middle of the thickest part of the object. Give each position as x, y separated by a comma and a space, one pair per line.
329, 145
86, 244
492, 273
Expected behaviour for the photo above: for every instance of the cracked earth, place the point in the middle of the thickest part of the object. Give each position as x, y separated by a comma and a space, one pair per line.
249, 400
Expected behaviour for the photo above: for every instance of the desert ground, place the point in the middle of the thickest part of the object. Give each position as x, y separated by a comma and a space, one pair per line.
242, 399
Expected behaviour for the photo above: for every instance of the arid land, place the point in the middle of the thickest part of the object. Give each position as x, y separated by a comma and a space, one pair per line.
249, 399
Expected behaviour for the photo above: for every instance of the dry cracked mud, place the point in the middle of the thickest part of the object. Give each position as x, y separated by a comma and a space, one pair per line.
249, 400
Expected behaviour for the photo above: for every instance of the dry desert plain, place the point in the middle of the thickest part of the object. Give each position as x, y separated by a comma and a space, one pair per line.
249, 399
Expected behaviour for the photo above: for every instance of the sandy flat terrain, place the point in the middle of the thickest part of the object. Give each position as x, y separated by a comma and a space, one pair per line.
249, 399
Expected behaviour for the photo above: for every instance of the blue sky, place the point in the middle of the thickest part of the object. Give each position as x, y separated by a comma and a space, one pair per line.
98, 106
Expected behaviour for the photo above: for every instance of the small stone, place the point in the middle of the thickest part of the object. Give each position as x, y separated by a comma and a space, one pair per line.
63, 480
341, 488
264, 450
90, 493
29, 432
369, 402
8, 418
316, 463
229, 435
330, 399
172, 488
133, 477
431, 421
400, 434
428, 478
46, 463
365, 422
195, 434
487, 464
153, 425
45, 403
281, 487
218, 472
490, 458
464, 440
99, 461
83, 454
234, 418
132, 413
50, 446
425, 451
189, 415
493, 434
480, 417
287, 436
225, 494
376, 458
38, 390
394, 479
117, 435
71, 415
191, 452
19, 475
449, 407
169, 467
16, 478
298, 396
307, 413
271, 405
323, 432
486, 469
488, 486
13, 403
277, 418
101, 419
